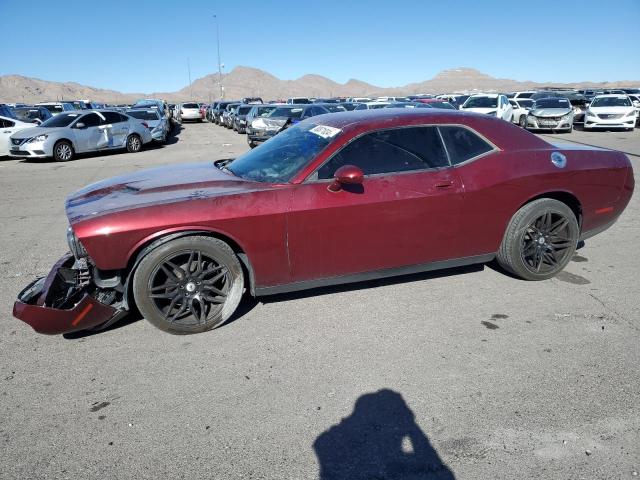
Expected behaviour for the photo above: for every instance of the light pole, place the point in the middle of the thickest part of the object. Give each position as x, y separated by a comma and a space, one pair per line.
219, 64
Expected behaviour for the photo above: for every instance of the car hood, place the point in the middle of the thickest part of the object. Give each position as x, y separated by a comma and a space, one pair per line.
550, 112
156, 186
612, 110
480, 110
35, 131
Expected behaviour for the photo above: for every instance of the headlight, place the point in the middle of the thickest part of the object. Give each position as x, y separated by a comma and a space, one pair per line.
492, 113
39, 138
632, 113
75, 246
566, 117
591, 114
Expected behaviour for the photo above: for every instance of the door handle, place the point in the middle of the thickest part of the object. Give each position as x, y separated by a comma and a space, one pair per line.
445, 184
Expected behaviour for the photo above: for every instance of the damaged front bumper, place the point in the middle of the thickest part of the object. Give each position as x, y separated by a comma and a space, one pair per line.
62, 302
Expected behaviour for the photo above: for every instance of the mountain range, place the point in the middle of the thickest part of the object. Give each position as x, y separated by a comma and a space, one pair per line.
247, 81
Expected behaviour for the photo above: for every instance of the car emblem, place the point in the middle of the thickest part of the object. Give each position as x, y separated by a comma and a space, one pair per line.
558, 159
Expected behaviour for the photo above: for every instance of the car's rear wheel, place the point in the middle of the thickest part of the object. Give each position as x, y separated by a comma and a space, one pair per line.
523, 121
540, 240
63, 151
134, 143
189, 285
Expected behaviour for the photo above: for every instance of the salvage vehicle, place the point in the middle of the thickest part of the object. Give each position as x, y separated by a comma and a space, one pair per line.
189, 111
281, 118
9, 126
158, 125
67, 134
240, 117
337, 198
228, 114
35, 114
520, 108
495, 105
610, 111
555, 113
57, 107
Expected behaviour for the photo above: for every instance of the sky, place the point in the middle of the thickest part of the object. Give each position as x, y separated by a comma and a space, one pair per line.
146, 46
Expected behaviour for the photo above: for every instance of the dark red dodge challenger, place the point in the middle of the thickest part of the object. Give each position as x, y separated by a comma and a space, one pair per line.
337, 198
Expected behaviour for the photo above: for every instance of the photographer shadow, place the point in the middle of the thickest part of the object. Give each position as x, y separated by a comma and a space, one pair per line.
379, 440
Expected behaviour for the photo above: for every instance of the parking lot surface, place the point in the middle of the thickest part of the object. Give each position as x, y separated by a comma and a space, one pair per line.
465, 373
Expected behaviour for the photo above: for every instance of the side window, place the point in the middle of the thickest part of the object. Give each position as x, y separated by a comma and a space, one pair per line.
4, 123
111, 117
462, 144
387, 151
90, 120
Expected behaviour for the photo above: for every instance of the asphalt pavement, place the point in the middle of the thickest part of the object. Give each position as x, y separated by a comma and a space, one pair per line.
465, 373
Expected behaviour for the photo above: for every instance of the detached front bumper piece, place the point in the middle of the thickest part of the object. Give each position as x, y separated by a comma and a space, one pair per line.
54, 304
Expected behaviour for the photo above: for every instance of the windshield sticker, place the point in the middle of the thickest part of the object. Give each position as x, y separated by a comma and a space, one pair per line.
325, 131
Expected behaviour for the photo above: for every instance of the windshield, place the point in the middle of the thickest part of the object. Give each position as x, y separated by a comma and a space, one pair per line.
264, 111
481, 102
144, 114
26, 114
552, 103
243, 110
611, 102
335, 108
281, 157
286, 112
524, 102
54, 108
190, 105
62, 120
445, 105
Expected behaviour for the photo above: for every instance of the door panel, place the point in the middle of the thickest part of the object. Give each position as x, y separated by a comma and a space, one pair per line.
396, 220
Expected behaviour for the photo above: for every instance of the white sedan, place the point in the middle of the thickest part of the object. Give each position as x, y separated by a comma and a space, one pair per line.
521, 107
496, 105
9, 126
610, 111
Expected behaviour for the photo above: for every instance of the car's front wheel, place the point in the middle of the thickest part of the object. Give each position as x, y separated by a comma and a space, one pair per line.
540, 240
63, 151
189, 285
134, 143
523, 121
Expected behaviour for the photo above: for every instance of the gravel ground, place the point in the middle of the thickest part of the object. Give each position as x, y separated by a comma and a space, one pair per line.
465, 374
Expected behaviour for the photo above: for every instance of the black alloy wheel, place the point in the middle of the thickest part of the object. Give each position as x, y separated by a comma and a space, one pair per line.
546, 242
540, 240
189, 285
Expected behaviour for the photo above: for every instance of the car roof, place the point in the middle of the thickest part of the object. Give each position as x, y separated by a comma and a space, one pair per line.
612, 95
490, 95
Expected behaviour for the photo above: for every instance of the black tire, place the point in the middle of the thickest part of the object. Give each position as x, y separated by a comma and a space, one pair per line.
196, 282
134, 143
540, 240
63, 151
522, 121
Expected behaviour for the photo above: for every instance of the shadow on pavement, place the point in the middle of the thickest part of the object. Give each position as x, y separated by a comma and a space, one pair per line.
379, 440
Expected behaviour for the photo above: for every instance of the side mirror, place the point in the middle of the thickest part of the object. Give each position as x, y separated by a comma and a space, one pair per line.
345, 176
80, 125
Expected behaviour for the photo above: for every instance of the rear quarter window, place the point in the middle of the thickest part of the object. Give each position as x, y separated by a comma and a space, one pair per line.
463, 144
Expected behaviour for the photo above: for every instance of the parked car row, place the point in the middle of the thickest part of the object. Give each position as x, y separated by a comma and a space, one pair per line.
260, 121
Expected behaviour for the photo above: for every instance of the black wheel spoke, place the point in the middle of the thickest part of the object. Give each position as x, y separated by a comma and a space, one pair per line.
180, 311
215, 279
166, 286
180, 271
167, 295
210, 288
